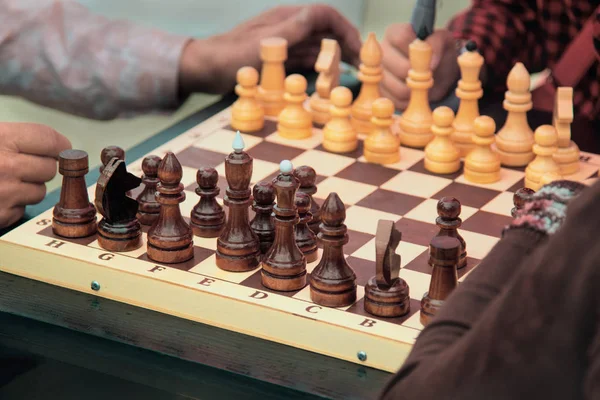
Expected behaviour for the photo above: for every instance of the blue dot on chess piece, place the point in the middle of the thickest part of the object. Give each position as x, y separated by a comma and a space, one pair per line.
286, 167
238, 143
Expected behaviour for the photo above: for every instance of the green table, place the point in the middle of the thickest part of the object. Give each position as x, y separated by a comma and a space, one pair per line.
164, 357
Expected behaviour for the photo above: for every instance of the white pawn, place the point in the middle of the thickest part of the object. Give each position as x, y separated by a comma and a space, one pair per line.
482, 164
294, 121
546, 144
441, 155
339, 135
247, 113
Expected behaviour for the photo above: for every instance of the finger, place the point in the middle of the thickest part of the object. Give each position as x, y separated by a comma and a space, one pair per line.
9, 216
35, 139
29, 168
397, 88
304, 57
400, 36
439, 42
394, 61
29, 193
399, 105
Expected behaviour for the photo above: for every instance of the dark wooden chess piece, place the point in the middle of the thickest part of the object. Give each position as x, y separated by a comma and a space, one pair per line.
207, 216
262, 223
74, 216
238, 247
110, 152
119, 230
149, 207
448, 221
386, 293
333, 281
519, 199
444, 255
170, 239
305, 237
284, 265
307, 177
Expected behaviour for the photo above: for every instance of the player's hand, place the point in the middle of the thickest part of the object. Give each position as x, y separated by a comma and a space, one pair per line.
396, 63
211, 65
28, 159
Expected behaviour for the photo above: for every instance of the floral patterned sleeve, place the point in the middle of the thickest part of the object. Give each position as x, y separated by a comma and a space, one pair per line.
60, 55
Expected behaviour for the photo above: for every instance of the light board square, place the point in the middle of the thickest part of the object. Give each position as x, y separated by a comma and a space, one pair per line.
307, 144
365, 219
350, 192
416, 184
508, 177
221, 141
478, 245
427, 212
408, 158
501, 204
328, 163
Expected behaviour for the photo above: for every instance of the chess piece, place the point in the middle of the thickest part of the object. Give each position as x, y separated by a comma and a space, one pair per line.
441, 155
333, 281
294, 121
514, 141
339, 135
415, 122
544, 148
482, 164
469, 92
370, 74
305, 238
119, 230
519, 199
149, 207
567, 154
444, 253
382, 146
386, 293
550, 177
207, 218
448, 220
247, 113
108, 153
238, 247
273, 53
262, 223
328, 67
284, 265
307, 177
73, 216
170, 238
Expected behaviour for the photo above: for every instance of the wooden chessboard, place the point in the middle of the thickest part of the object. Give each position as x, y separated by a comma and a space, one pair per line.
197, 290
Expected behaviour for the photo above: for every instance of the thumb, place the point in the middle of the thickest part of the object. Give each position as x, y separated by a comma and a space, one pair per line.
439, 41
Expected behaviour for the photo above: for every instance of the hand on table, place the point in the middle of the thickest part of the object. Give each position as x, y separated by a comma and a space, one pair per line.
396, 63
211, 65
28, 154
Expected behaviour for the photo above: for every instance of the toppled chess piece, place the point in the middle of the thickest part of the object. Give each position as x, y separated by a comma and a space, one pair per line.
386, 293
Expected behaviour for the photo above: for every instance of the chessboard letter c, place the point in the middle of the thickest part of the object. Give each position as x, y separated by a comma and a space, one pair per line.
106, 256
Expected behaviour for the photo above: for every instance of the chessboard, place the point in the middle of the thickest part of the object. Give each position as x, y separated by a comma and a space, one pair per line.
404, 192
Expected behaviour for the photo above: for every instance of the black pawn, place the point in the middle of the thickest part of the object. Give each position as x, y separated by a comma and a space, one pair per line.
519, 199
307, 178
110, 152
149, 207
262, 223
448, 221
207, 216
305, 237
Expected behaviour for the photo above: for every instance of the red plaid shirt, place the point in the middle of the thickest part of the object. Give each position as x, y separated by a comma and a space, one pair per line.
536, 33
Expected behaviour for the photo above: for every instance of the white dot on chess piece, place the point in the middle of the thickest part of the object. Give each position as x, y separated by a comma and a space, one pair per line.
286, 167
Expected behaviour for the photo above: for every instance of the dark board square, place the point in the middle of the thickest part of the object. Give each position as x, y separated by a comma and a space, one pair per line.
371, 174
416, 232
517, 186
364, 269
359, 309
81, 241
486, 223
356, 240
194, 157
467, 195
274, 152
200, 254
269, 128
421, 264
420, 167
357, 153
391, 202
254, 282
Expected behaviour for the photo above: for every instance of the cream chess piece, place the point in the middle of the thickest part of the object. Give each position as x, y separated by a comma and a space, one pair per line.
544, 148
482, 164
328, 67
247, 113
273, 53
370, 74
382, 146
339, 135
469, 92
514, 140
294, 121
441, 155
567, 154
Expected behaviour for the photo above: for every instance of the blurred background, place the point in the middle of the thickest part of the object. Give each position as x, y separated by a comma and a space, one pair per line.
200, 19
